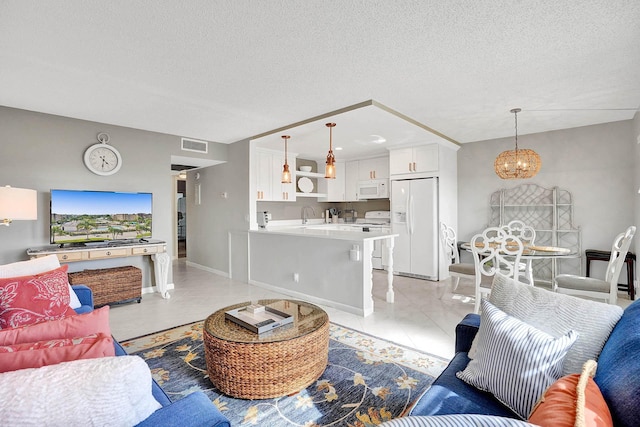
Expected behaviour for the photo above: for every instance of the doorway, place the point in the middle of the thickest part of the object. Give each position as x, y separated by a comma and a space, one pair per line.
181, 215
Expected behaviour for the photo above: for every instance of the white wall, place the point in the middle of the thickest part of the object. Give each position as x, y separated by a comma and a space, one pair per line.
597, 164
209, 224
41, 152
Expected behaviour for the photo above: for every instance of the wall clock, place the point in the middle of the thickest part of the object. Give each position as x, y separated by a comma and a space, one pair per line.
103, 159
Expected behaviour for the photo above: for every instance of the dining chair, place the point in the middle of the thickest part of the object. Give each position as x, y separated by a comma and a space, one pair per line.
495, 249
456, 268
591, 287
527, 235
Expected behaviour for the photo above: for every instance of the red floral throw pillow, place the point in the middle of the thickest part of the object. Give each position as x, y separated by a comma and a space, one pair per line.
31, 299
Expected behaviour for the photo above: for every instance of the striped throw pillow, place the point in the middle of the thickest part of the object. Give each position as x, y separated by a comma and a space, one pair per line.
515, 361
457, 420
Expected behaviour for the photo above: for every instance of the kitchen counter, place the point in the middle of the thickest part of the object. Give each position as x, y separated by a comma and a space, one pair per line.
326, 264
329, 231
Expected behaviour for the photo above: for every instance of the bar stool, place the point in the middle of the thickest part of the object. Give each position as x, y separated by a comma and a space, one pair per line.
630, 259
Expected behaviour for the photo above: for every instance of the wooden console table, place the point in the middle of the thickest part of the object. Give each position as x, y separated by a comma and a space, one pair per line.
156, 249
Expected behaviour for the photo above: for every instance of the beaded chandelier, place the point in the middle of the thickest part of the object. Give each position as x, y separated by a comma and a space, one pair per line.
520, 163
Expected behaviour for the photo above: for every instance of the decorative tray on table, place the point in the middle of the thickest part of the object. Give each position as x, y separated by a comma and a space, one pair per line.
258, 318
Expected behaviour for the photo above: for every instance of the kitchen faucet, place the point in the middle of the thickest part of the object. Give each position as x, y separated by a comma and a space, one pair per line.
303, 213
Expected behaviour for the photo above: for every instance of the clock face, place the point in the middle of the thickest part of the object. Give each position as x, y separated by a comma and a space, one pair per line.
102, 159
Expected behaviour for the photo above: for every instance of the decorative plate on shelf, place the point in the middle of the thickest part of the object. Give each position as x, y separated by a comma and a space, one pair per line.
305, 185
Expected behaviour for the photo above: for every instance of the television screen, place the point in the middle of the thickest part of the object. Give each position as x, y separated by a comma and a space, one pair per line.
79, 217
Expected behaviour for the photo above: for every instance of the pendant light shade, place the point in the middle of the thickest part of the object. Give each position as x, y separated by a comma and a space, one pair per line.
330, 169
520, 163
286, 174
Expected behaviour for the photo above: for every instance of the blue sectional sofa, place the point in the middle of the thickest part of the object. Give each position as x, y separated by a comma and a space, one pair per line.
617, 376
194, 410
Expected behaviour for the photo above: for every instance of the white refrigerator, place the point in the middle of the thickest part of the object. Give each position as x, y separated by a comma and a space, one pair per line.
414, 217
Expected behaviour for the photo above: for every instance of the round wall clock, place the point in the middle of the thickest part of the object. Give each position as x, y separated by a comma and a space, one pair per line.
102, 159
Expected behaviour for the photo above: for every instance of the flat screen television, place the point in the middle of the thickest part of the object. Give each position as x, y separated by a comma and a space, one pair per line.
79, 217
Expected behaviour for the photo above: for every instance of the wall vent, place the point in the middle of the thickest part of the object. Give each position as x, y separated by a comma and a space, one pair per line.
195, 145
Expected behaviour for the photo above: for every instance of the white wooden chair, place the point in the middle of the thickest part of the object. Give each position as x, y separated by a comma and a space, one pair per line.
457, 269
527, 235
590, 287
494, 250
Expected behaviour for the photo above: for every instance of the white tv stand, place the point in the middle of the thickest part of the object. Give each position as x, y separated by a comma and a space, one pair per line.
156, 249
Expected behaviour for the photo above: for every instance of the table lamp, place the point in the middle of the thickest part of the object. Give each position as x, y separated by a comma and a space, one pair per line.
17, 204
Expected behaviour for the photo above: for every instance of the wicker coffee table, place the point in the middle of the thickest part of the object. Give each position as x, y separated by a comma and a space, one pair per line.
246, 365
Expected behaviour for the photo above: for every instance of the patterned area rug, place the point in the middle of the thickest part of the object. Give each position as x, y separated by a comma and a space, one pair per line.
367, 381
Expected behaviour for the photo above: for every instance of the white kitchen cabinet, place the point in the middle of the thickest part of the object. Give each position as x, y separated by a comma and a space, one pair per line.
268, 175
282, 192
411, 160
262, 174
351, 175
333, 188
376, 168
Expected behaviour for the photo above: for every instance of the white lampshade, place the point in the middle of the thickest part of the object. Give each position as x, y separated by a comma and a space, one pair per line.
18, 204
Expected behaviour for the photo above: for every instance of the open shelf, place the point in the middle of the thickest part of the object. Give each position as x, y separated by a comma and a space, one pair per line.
311, 195
310, 174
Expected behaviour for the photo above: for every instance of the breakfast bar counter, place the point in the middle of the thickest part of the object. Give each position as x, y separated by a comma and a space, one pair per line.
330, 265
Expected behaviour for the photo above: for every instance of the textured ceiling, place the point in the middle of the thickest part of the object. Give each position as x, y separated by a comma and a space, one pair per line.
228, 70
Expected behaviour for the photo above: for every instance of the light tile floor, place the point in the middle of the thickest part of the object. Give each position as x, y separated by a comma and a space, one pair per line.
423, 316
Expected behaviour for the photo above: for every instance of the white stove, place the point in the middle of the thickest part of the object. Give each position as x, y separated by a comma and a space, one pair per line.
376, 221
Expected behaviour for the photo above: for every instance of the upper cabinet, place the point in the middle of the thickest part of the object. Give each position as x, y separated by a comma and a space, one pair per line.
262, 174
420, 159
363, 170
377, 168
268, 175
351, 176
279, 190
333, 188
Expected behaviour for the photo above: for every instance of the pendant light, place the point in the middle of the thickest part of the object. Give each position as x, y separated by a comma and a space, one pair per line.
286, 174
520, 163
330, 169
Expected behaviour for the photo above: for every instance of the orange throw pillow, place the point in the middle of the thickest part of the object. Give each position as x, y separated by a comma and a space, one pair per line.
31, 299
562, 403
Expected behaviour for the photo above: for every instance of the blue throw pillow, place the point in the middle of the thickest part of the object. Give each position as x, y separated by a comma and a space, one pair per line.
515, 362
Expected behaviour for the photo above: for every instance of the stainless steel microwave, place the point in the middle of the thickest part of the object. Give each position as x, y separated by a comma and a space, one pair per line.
373, 189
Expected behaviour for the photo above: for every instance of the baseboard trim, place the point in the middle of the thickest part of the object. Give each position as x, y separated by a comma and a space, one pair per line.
209, 269
311, 298
153, 289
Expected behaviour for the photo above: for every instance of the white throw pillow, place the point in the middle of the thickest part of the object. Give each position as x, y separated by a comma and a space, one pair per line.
514, 361
110, 391
557, 314
37, 266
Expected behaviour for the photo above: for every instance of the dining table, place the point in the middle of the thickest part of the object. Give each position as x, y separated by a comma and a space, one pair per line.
535, 252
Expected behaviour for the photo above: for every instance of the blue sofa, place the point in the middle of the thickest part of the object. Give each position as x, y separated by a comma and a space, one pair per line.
194, 410
617, 376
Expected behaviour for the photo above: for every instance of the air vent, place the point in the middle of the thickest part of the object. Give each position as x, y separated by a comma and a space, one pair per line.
195, 145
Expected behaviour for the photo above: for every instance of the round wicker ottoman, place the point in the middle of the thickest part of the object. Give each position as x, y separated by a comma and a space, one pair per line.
243, 364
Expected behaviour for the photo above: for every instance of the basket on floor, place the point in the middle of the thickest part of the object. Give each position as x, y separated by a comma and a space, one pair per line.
111, 285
